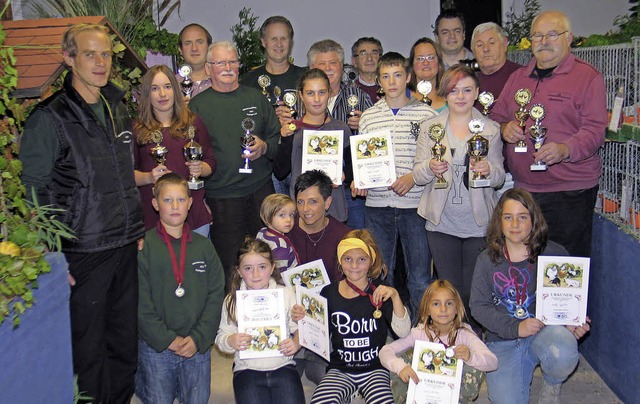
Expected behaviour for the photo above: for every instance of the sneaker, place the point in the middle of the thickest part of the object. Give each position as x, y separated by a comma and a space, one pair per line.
549, 393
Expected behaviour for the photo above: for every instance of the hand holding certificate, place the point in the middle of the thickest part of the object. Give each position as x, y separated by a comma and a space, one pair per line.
313, 328
562, 288
373, 160
440, 374
261, 314
322, 150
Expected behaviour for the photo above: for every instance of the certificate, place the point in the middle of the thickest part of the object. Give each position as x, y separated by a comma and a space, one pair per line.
261, 314
313, 329
561, 290
322, 150
312, 275
372, 160
439, 374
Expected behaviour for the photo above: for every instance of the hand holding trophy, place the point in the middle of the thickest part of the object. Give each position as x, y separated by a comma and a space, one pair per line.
158, 152
486, 99
523, 98
424, 87
436, 133
247, 140
277, 92
538, 134
192, 151
478, 149
353, 102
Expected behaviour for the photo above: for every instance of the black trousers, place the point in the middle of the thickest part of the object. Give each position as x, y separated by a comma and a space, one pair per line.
104, 322
233, 219
569, 215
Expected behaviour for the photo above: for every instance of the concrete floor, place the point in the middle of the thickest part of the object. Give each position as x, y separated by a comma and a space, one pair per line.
583, 387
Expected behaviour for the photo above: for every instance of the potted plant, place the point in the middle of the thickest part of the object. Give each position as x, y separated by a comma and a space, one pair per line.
34, 317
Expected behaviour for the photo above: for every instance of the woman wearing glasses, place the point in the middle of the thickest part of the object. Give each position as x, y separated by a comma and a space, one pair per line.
426, 62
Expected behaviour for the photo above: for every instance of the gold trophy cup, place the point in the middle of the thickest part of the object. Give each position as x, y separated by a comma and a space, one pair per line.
523, 98
478, 149
436, 133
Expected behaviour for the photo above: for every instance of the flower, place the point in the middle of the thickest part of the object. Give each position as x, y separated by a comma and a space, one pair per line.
9, 248
524, 44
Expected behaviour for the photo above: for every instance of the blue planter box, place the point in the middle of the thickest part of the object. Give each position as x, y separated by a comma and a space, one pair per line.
35, 358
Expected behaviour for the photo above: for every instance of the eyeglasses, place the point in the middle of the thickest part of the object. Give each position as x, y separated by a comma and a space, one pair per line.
224, 63
551, 36
422, 59
365, 54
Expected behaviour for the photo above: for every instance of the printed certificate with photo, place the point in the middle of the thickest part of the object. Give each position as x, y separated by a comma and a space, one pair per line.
372, 159
439, 372
261, 314
313, 329
312, 275
322, 150
561, 290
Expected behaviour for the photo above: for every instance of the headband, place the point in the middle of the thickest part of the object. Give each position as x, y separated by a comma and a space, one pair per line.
351, 243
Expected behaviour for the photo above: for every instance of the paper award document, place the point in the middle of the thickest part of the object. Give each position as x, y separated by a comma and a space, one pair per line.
439, 372
322, 150
312, 275
561, 290
261, 314
372, 160
313, 329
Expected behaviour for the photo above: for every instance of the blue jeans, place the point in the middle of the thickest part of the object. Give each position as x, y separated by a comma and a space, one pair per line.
386, 225
355, 210
554, 348
281, 187
164, 376
280, 386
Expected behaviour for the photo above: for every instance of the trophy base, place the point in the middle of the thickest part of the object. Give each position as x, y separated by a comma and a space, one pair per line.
538, 167
245, 170
195, 185
440, 185
479, 183
520, 149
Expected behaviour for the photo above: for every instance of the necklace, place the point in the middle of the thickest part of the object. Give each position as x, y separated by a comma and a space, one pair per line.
376, 313
315, 242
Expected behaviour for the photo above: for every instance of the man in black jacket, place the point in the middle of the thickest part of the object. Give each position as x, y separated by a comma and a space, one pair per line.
76, 152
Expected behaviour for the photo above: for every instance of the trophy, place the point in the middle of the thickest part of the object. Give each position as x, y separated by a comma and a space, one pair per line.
277, 92
264, 81
523, 98
424, 87
192, 151
246, 141
291, 100
436, 133
538, 134
486, 99
187, 84
353, 102
477, 148
158, 152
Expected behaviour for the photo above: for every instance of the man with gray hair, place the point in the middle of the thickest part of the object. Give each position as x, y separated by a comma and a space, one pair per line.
227, 110
489, 46
365, 53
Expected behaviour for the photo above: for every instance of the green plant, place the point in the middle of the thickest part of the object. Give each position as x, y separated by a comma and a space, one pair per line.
517, 26
27, 230
247, 40
154, 39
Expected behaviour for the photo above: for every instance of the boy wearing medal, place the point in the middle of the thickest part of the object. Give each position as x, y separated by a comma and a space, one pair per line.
181, 287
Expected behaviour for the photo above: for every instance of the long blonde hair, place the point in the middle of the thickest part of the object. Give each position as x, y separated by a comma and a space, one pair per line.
425, 319
147, 122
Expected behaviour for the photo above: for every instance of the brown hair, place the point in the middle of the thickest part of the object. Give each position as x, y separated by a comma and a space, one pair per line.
69, 43
147, 122
250, 245
272, 204
452, 77
537, 240
169, 178
378, 268
425, 319
412, 54
393, 59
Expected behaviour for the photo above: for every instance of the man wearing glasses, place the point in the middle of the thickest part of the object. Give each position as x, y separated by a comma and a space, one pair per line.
365, 53
572, 93
450, 35
225, 107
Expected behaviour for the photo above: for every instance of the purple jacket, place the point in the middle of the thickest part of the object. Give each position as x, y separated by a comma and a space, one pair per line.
574, 97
